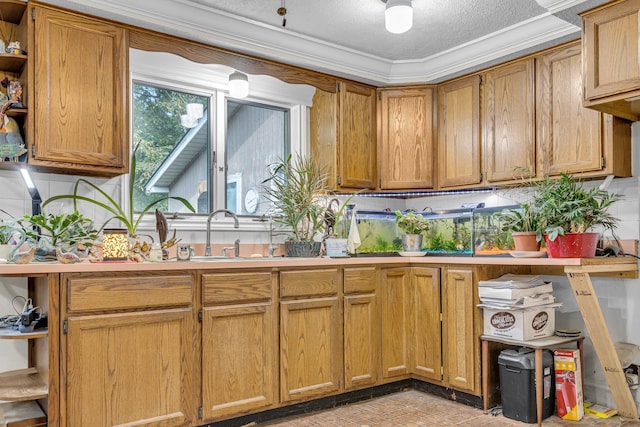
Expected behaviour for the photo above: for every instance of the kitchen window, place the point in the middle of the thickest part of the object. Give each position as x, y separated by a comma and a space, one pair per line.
179, 152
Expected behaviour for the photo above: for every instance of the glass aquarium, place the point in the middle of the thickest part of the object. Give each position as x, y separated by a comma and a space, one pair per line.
455, 232
488, 239
378, 232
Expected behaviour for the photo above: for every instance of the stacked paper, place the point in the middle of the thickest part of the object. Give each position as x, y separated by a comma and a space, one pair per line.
515, 291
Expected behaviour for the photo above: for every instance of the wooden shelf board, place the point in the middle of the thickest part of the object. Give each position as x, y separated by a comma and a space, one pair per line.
16, 112
23, 384
13, 334
12, 62
12, 10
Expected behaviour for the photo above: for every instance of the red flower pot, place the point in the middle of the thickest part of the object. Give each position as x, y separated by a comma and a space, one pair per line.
573, 245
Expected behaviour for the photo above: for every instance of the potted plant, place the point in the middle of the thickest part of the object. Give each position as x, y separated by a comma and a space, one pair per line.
59, 237
569, 213
128, 218
297, 188
413, 226
524, 224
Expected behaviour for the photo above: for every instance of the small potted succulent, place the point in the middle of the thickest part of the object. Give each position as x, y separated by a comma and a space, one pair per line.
413, 226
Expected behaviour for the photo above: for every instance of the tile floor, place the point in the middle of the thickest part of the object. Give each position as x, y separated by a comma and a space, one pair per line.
413, 408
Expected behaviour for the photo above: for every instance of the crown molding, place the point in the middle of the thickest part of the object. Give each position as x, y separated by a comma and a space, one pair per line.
194, 21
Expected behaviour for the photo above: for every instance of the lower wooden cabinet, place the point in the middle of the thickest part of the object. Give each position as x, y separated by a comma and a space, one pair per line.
129, 357
239, 343
460, 342
394, 290
182, 349
425, 323
361, 331
310, 334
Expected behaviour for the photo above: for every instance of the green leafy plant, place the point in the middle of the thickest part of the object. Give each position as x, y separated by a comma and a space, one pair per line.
128, 218
64, 230
7, 232
411, 223
297, 187
565, 206
525, 218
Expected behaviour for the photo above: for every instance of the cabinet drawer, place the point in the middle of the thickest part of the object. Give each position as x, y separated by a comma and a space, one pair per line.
359, 280
90, 293
309, 282
223, 288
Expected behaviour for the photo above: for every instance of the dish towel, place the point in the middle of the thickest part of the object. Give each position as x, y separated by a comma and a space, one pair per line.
353, 240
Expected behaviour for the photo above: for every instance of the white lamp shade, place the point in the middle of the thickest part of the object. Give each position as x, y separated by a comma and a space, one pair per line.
398, 16
195, 110
238, 85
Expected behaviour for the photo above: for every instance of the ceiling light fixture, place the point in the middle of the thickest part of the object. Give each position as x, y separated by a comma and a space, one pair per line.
398, 16
238, 85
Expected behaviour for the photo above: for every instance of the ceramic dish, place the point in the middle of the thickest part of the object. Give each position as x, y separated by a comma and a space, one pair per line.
527, 254
418, 253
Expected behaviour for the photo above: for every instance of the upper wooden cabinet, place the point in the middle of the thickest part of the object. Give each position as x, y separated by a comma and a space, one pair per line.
343, 135
508, 121
78, 77
572, 138
405, 143
611, 58
357, 136
458, 143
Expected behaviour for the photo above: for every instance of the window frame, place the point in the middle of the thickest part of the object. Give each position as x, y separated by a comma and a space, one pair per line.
216, 90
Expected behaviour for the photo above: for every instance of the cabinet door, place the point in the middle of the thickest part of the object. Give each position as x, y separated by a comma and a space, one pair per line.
611, 57
425, 346
461, 348
80, 94
239, 343
239, 356
361, 330
130, 369
357, 136
406, 138
572, 138
509, 121
459, 133
310, 348
393, 291
323, 117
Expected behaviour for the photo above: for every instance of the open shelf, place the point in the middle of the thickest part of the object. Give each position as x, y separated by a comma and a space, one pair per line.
23, 384
12, 62
12, 10
13, 334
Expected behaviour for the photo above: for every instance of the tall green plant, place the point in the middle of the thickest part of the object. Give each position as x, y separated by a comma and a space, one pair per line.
297, 187
565, 206
127, 218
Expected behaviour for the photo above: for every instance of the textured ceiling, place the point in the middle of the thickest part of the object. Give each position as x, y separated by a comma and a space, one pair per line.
359, 24
347, 37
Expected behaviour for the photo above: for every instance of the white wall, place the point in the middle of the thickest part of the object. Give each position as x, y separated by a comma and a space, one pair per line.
619, 299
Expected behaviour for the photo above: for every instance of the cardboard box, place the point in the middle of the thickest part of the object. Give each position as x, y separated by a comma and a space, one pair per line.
522, 324
569, 396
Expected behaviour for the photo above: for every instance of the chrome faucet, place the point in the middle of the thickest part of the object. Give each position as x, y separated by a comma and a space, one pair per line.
236, 224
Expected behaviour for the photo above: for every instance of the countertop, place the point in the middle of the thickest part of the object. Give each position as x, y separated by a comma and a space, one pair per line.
39, 268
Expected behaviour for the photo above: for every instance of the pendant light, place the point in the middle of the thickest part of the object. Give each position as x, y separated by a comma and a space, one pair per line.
398, 16
238, 85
